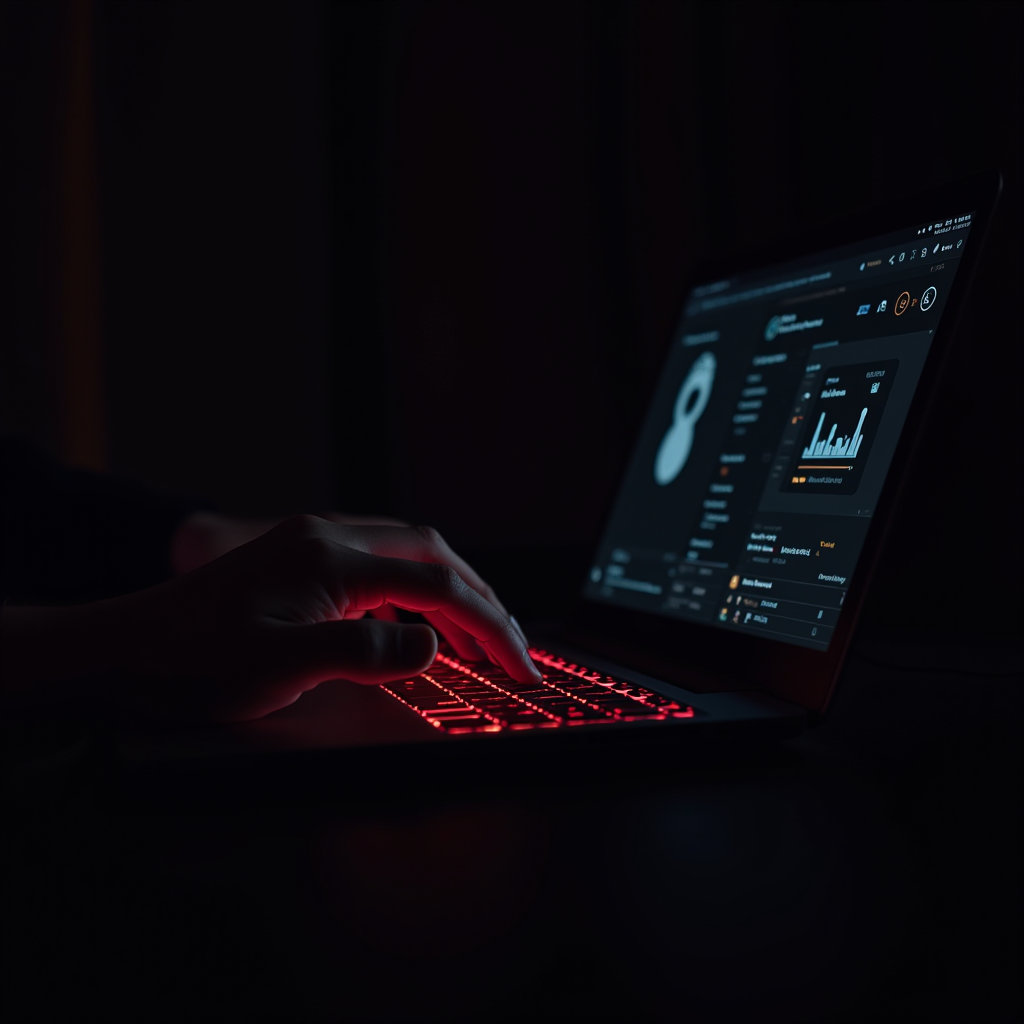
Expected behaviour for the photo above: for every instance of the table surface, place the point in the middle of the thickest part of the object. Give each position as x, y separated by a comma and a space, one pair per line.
869, 869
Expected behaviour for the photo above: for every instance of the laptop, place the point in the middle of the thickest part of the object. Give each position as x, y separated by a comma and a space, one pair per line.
720, 600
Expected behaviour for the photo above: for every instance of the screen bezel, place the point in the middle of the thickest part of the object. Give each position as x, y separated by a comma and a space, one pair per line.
705, 658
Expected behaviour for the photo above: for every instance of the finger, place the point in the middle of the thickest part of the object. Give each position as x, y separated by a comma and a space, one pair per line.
366, 650
465, 644
361, 581
422, 544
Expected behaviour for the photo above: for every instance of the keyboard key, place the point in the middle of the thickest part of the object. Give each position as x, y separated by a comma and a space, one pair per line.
458, 697
588, 714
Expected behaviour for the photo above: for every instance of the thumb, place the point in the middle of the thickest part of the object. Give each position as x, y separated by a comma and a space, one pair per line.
366, 650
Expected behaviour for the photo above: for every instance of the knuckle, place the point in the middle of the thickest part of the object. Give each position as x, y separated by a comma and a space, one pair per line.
430, 536
445, 578
302, 526
312, 551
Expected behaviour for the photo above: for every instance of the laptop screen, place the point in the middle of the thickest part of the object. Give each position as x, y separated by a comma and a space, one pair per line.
749, 493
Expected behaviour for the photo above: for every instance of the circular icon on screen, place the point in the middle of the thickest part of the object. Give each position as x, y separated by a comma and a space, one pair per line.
691, 403
928, 299
901, 303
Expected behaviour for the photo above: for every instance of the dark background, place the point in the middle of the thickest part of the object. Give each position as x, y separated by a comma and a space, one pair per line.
421, 258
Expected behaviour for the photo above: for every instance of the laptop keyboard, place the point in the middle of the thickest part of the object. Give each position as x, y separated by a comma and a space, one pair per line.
461, 697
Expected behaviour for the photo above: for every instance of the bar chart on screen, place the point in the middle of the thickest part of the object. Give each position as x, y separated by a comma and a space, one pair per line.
836, 445
848, 407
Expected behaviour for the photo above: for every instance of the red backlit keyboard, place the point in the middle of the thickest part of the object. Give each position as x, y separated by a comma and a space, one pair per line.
460, 697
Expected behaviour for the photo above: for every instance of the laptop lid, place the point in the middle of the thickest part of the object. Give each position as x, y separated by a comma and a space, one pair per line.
742, 537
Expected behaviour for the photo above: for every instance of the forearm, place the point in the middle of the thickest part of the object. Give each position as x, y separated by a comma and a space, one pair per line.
69, 537
57, 659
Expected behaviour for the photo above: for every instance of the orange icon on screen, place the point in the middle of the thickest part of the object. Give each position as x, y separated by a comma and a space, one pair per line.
901, 303
734, 582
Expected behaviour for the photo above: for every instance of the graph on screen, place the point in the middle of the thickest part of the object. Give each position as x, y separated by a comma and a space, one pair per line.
848, 403
836, 445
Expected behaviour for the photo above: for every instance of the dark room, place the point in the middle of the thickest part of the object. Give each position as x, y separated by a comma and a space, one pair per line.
504, 368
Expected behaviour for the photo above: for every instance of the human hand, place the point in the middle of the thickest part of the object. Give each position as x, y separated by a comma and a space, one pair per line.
250, 632
204, 536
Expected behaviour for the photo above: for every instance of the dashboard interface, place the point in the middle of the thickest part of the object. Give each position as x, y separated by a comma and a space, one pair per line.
748, 496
